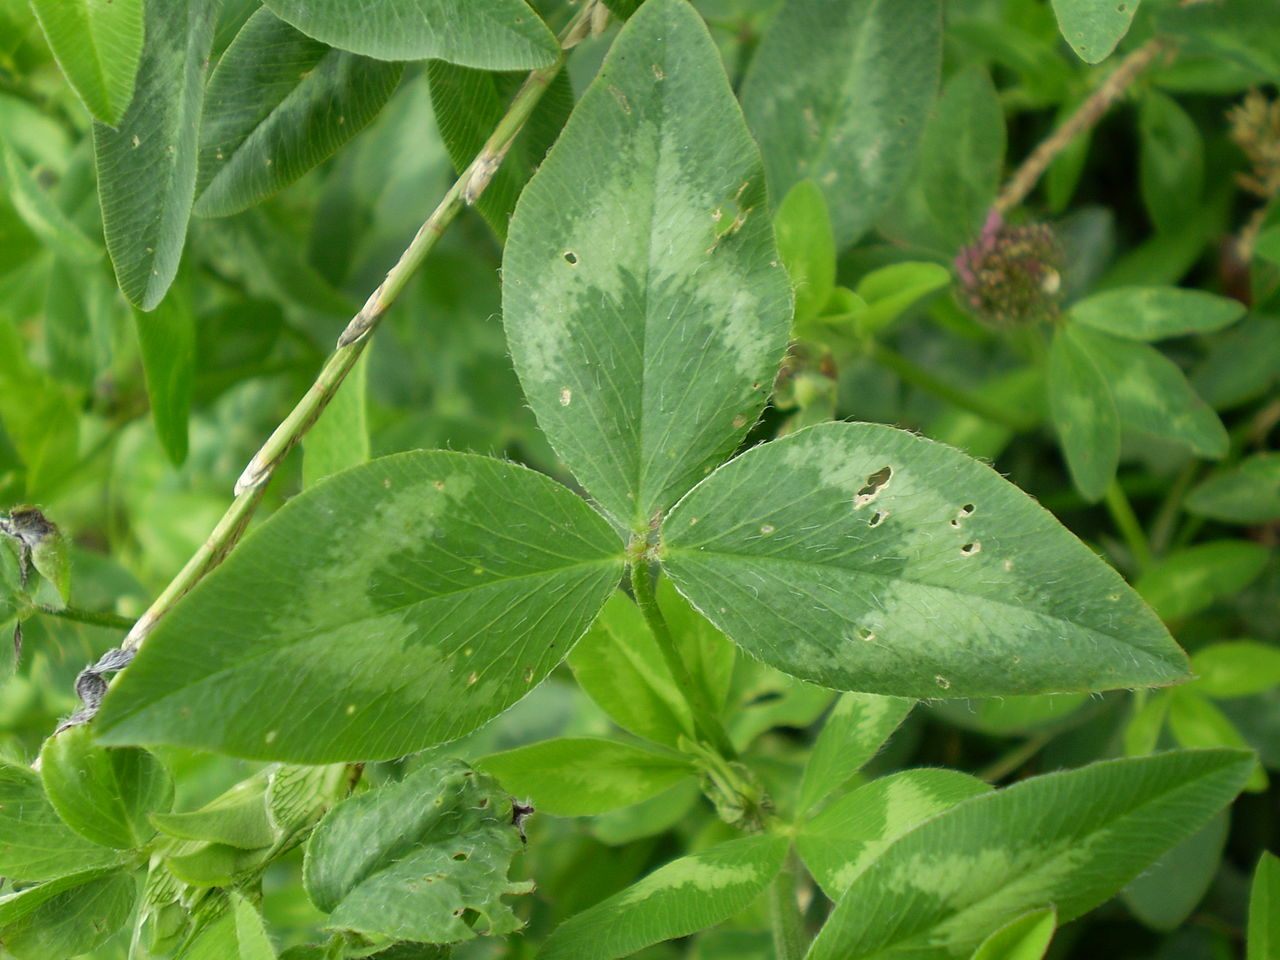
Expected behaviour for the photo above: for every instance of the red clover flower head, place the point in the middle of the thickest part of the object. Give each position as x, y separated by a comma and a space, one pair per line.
1010, 274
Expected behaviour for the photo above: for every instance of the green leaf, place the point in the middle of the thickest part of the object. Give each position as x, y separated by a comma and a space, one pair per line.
622, 9
229, 926
1244, 32
645, 304
66, 917
654, 816
340, 438
1263, 940
238, 818
620, 666
1240, 668
41, 214
839, 92
277, 105
580, 776
167, 336
491, 34
97, 43
1069, 840
147, 164
34, 842
1151, 393
464, 579
1241, 365
41, 418
1195, 722
1170, 161
217, 865
1094, 27
683, 897
1187, 581
1142, 732
104, 794
961, 154
853, 732
862, 557
1084, 414
1026, 938
408, 859
763, 698
251, 933
890, 291
1165, 894
807, 247
468, 105
1249, 492
1153, 313
854, 829
80, 310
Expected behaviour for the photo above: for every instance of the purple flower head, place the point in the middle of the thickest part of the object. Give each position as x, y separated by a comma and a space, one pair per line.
1010, 274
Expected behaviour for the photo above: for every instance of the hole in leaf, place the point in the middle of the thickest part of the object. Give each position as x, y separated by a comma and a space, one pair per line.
943, 682
876, 482
866, 635
570, 258
967, 510
877, 518
969, 549
460, 856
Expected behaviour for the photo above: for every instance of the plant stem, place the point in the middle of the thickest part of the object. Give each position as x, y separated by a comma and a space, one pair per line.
704, 715
1085, 117
466, 190
97, 618
1127, 523
1011, 761
789, 940
1162, 528
920, 377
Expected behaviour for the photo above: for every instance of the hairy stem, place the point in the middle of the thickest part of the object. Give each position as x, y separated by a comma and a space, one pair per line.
922, 378
1085, 117
789, 940
704, 715
96, 618
465, 191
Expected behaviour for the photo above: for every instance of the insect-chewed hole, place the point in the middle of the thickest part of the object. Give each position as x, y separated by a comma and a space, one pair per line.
877, 518
969, 549
866, 635
966, 510
460, 855
943, 682
570, 258
877, 482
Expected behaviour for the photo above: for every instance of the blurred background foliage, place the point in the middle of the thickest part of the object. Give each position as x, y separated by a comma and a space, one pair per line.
1161, 192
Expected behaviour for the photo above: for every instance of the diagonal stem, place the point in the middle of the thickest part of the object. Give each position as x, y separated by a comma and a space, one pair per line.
465, 191
1085, 117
